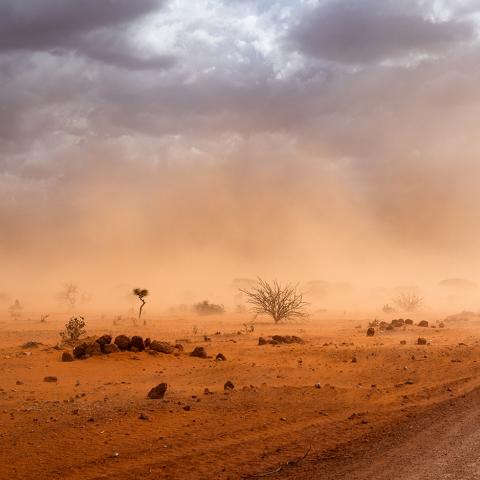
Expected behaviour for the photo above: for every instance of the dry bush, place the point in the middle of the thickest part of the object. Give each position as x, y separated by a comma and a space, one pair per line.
278, 301
141, 293
74, 329
207, 308
408, 302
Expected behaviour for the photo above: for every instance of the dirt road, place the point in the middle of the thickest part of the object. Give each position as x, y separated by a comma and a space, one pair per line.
442, 442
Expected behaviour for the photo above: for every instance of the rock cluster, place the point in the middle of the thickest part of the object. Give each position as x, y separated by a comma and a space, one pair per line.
280, 339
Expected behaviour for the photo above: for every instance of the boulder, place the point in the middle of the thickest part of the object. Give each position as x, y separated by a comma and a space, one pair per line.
199, 352
262, 341
50, 379
137, 342
162, 347
79, 350
423, 323
399, 322
179, 347
370, 332
110, 348
229, 385
147, 342
408, 321
104, 340
158, 392
421, 341
67, 357
92, 349
122, 342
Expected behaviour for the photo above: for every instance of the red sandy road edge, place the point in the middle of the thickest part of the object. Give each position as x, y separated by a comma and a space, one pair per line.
439, 442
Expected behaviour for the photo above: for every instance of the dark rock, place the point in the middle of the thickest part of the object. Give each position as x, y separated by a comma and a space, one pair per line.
147, 342
104, 340
423, 323
221, 357
399, 322
92, 349
187, 408
179, 347
122, 342
50, 379
370, 332
262, 341
162, 347
441, 325
421, 341
137, 342
199, 352
228, 385
354, 360
67, 357
142, 416
408, 321
403, 342
158, 392
110, 348
79, 350
31, 344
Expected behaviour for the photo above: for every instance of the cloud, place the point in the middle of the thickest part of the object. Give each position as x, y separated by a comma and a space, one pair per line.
100, 30
362, 32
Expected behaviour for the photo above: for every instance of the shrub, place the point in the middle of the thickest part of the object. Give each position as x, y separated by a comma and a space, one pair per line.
207, 308
74, 329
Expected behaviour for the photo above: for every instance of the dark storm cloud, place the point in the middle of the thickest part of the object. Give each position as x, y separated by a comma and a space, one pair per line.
90, 27
357, 32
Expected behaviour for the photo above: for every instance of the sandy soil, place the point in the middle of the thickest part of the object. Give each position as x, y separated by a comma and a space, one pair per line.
87, 425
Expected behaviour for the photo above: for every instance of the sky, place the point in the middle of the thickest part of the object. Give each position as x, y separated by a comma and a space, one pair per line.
176, 144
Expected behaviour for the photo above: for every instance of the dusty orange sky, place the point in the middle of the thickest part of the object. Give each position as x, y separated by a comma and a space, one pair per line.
177, 147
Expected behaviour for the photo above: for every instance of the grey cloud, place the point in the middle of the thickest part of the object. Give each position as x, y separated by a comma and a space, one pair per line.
358, 32
92, 28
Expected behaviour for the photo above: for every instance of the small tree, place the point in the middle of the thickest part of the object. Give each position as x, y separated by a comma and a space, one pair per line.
141, 293
69, 295
408, 302
15, 310
280, 302
74, 329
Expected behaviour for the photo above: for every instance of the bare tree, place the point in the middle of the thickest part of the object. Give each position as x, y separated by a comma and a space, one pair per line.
408, 302
15, 310
278, 301
69, 295
141, 293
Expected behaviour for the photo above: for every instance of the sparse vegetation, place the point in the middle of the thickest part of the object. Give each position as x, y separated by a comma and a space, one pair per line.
15, 310
141, 293
207, 308
408, 302
279, 302
74, 329
43, 318
388, 309
69, 295
248, 327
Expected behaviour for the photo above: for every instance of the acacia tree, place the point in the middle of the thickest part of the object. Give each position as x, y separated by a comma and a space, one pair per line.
141, 293
69, 295
408, 302
281, 302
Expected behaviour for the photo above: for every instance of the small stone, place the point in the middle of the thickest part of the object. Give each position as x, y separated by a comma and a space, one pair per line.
187, 408
221, 357
318, 385
370, 332
158, 392
199, 352
229, 385
67, 357
262, 341
162, 347
421, 341
142, 416
18, 382
50, 379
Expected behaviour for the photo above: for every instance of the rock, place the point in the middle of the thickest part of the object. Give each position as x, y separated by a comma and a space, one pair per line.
187, 408
423, 323
354, 360
18, 382
50, 379
158, 392
79, 351
137, 342
229, 385
110, 348
221, 357
142, 416
122, 342
67, 357
104, 340
441, 325
199, 352
92, 349
179, 347
421, 341
262, 341
408, 321
400, 322
318, 385
370, 332
287, 339
31, 344
147, 342
389, 327
162, 347
403, 342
